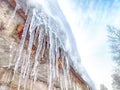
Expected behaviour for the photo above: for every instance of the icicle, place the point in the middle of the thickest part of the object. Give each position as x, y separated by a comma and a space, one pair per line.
51, 61
74, 86
29, 49
19, 52
11, 54
36, 35
39, 24
26, 77
70, 83
61, 82
65, 77
22, 70
57, 55
40, 41
13, 15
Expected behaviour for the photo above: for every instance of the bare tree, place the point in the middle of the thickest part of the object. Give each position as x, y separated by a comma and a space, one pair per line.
103, 87
114, 39
116, 79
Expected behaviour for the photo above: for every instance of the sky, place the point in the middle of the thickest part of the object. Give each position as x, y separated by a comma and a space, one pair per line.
88, 20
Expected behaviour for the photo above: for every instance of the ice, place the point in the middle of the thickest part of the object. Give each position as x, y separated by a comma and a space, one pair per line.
13, 15
45, 18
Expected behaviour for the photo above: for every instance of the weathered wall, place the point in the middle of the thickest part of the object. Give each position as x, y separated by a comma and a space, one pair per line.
9, 44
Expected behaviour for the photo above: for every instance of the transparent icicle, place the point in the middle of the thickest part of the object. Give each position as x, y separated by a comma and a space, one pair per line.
61, 82
13, 15
22, 70
26, 77
20, 49
51, 55
11, 55
36, 35
65, 76
36, 63
56, 56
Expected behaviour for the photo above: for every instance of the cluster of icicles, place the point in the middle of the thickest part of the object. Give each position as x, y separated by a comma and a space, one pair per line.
46, 32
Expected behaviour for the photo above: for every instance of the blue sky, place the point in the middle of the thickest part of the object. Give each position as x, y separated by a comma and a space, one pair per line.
88, 20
